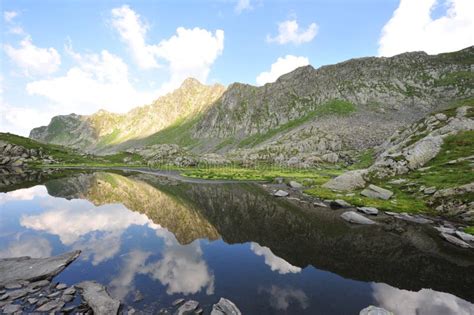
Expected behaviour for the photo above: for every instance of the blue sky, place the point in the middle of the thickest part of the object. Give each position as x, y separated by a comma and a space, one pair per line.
60, 57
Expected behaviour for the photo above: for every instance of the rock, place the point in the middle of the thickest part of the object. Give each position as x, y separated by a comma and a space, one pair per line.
68, 309
61, 286
177, 302
199, 311
70, 291
368, 210
454, 240
50, 306
225, 307
465, 236
373, 310
67, 298
441, 116
138, 296
11, 308
460, 190
4, 297
296, 185
38, 284
26, 268
446, 230
281, 193
339, 203
41, 301
398, 181
354, 217
54, 294
187, 308
13, 285
410, 218
13, 295
429, 190
32, 300
330, 157
348, 181
373, 191
97, 298
320, 204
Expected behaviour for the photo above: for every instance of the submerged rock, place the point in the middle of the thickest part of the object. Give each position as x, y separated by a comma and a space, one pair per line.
31, 269
456, 241
354, 217
97, 298
187, 308
374, 310
225, 307
376, 192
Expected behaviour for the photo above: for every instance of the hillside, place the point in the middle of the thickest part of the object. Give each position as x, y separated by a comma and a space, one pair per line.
306, 117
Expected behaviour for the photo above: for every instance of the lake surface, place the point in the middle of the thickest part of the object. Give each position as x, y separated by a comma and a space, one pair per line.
168, 239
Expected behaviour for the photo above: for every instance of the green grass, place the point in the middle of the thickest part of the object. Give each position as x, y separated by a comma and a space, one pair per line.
469, 230
334, 107
309, 176
180, 132
365, 159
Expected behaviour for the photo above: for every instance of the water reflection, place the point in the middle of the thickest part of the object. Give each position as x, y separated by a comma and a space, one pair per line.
143, 233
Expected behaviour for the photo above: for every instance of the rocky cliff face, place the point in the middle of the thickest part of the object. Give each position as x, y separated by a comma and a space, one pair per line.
309, 112
104, 129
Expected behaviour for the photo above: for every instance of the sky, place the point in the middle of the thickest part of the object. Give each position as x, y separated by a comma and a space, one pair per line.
60, 57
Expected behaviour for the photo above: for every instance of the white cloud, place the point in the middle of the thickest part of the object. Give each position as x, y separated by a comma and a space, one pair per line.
97, 81
35, 247
242, 5
24, 194
33, 60
289, 32
188, 53
132, 32
276, 263
8, 16
423, 302
280, 298
281, 66
412, 28
20, 119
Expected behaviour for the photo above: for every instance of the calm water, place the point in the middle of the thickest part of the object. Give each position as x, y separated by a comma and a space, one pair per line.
167, 239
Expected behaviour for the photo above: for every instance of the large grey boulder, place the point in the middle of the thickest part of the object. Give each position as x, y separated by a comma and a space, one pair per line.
376, 192
348, 181
374, 310
225, 307
33, 269
354, 217
97, 297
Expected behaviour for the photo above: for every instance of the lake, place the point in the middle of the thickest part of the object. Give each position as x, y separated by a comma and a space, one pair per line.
152, 240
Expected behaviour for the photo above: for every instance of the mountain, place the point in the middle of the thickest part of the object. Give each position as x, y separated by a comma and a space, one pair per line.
306, 116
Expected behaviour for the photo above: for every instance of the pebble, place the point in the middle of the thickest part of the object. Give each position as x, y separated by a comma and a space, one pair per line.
54, 294
32, 300
70, 291
61, 286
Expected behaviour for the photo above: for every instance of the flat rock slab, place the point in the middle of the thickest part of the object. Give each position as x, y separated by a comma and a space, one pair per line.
97, 297
32, 269
280, 193
54, 305
465, 237
339, 203
368, 210
410, 218
187, 308
454, 240
225, 307
354, 217
376, 192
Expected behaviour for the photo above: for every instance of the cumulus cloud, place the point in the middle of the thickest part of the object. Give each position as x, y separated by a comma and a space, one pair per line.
280, 298
289, 32
96, 81
423, 302
33, 60
20, 119
24, 194
281, 66
412, 27
188, 53
242, 5
132, 31
36, 247
276, 263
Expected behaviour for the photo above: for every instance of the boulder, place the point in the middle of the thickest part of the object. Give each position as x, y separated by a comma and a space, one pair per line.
454, 240
411, 218
339, 203
296, 185
225, 307
465, 236
368, 210
98, 298
281, 193
348, 181
354, 217
32, 269
187, 308
376, 192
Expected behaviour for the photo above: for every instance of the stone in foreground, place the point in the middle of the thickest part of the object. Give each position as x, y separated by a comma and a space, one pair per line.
97, 298
368, 210
225, 307
348, 181
373, 310
465, 237
339, 203
354, 217
454, 240
281, 193
296, 185
32, 269
376, 192
187, 308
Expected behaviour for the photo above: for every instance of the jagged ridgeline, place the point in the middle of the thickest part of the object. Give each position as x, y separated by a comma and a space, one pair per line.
353, 105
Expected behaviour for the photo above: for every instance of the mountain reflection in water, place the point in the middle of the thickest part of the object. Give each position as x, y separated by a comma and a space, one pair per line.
167, 239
